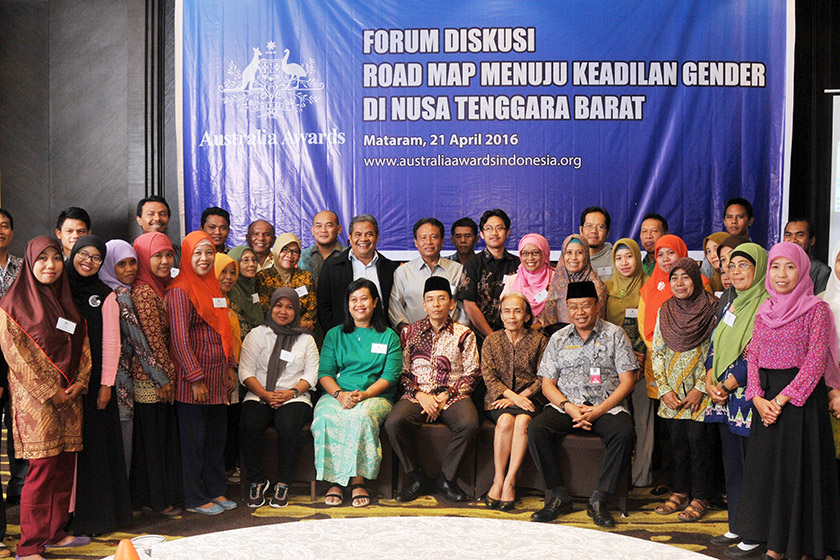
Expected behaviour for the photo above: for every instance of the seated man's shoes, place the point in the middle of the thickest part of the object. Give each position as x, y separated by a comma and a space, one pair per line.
450, 490
553, 508
600, 514
411, 492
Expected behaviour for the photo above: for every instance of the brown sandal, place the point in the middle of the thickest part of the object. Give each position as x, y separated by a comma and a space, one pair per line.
695, 510
675, 502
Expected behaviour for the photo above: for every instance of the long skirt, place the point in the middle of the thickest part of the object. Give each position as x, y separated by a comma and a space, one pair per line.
102, 497
347, 440
156, 463
790, 495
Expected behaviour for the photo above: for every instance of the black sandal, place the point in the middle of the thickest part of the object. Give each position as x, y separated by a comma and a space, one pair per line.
332, 494
361, 497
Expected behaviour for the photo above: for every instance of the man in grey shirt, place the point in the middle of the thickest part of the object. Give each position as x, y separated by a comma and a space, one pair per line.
587, 372
595, 227
802, 233
406, 305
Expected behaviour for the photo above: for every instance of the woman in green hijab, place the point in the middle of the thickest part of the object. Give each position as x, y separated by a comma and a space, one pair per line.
244, 300
628, 277
726, 373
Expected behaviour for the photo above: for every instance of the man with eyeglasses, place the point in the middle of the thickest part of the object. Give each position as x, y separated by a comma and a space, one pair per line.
485, 276
587, 373
361, 260
406, 305
595, 227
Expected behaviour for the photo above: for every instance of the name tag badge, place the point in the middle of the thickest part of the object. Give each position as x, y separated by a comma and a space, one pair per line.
287, 356
572, 346
541, 296
729, 318
631, 313
595, 375
718, 294
302, 291
64, 325
508, 278
173, 272
605, 271
219, 302
255, 298
378, 348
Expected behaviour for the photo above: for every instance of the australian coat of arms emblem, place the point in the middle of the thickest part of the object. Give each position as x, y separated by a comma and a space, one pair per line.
271, 86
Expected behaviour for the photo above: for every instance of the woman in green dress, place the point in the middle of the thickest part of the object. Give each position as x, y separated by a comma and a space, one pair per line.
361, 362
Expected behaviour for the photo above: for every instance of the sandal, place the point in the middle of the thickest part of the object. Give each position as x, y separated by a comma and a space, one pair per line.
675, 502
361, 500
695, 510
336, 493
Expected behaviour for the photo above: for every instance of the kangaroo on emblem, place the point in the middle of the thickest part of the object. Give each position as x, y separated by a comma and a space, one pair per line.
250, 71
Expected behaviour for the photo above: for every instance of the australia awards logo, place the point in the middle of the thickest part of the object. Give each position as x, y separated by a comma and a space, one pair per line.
271, 86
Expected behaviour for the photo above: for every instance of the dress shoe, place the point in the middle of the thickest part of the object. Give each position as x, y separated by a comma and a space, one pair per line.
507, 505
724, 540
450, 490
736, 552
410, 492
600, 514
553, 508
491, 503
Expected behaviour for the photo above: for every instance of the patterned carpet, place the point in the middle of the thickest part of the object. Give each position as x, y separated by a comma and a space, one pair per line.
641, 522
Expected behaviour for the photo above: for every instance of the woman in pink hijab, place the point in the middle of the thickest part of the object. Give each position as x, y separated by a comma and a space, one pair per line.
533, 275
790, 494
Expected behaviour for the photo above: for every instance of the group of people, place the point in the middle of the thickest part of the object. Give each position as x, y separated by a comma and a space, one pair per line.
141, 374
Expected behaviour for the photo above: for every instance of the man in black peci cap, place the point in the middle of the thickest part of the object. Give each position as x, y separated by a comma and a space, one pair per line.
587, 372
440, 371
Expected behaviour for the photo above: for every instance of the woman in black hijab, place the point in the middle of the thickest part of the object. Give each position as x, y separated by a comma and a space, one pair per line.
102, 496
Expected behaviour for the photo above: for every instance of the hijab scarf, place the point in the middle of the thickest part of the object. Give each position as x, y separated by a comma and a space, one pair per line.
623, 291
686, 323
222, 262
530, 284
37, 307
555, 310
730, 341
286, 336
89, 293
281, 241
242, 294
781, 309
658, 288
118, 251
146, 246
832, 290
203, 289
706, 269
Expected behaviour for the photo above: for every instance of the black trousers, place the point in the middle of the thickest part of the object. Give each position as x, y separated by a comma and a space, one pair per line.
461, 418
288, 420
616, 431
691, 451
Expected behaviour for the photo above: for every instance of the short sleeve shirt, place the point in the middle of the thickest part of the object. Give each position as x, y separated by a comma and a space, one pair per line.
570, 360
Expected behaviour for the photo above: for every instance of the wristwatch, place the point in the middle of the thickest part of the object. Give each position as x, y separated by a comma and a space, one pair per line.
295, 392
336, 393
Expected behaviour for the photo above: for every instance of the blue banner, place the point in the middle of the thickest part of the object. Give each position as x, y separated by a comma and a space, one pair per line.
407, 109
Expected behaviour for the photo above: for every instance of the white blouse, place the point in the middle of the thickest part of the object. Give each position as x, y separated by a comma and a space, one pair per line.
253, 362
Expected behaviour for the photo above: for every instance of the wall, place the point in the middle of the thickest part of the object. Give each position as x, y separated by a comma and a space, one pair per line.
72, 122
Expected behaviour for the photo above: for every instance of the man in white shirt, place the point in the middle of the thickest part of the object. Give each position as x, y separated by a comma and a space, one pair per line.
406, 305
